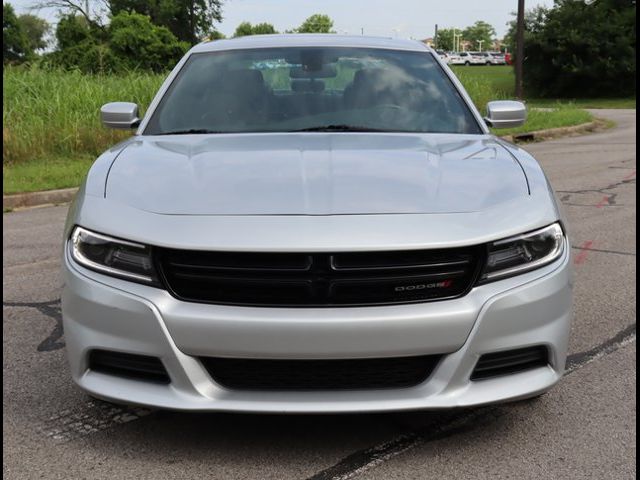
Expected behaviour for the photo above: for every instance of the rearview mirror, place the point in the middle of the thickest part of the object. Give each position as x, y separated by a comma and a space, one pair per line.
505, 114
120, 115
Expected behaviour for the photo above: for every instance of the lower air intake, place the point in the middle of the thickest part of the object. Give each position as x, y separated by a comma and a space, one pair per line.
137, 367
510, 362
352, 374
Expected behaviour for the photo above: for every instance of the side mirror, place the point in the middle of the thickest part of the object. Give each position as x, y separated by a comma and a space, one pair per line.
505, 114
120, 115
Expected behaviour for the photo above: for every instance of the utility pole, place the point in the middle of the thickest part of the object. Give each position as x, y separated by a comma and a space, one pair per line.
435, 38
361, 30
519, 49
456, 40
480, 42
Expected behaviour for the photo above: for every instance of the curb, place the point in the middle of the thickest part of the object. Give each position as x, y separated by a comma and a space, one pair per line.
65, 195
553, 132
38, 199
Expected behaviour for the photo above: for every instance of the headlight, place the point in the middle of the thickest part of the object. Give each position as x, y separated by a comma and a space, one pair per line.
523, 253
112, 256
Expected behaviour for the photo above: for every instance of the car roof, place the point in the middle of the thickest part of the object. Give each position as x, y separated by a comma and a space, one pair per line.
309, 40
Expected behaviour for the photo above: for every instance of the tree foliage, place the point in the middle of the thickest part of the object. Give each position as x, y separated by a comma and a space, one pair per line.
245, 29
582, 49
533, 21
15, 43
130, 41
73, 30
317, 23
445, 40
188, 20
141, 44
480, 34
36, 29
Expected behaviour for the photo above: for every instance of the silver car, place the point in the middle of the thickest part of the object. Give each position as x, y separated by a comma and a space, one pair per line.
315, 223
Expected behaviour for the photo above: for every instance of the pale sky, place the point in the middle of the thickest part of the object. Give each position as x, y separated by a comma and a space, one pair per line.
401, 18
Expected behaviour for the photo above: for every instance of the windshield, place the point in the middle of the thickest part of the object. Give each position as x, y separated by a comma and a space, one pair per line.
311, 89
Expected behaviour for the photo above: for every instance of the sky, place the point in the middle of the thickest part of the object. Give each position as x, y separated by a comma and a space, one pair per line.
396, 18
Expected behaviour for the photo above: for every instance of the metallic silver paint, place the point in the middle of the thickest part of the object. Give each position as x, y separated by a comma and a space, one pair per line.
315, 192
122, 115
531, 309
506, 114
315, 174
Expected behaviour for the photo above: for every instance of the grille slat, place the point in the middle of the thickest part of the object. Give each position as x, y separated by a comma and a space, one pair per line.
304, 375
318, 279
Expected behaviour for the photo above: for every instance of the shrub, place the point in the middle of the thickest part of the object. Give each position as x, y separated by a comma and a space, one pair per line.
583, 49
130, 42
140, 44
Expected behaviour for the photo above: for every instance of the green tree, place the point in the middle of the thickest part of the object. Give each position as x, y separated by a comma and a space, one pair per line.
480, 34
188, 20
216, 35
130, 41
36, 29
72, 30
264, 29
444, 39
317, 23
81, 44
533, 20
15, 43
138, 43
245, 28
583, 49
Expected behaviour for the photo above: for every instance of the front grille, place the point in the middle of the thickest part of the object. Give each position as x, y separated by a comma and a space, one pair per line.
352, 374
510, 362
318, 279
127, 365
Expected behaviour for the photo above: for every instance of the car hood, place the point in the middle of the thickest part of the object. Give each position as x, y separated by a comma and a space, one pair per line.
315, 174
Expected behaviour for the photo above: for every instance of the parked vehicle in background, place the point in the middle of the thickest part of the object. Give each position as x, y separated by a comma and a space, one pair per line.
498, 57
472, 58
444, 56
491, 58
455, 59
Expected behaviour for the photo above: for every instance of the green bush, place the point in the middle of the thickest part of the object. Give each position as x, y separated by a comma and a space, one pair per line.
582, 49
130, 42
140, 44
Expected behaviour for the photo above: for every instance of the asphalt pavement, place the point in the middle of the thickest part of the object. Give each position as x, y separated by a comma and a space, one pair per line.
584, 428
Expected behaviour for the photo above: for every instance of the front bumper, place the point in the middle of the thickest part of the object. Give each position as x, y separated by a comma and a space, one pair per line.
101, 312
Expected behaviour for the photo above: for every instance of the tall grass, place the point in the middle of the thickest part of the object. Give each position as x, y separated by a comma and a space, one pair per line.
56, 114
51, 117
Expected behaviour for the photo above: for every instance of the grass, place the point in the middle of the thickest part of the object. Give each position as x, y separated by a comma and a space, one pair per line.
46, 174
498, 79
501, 81
564, 116
51, 128
53, 114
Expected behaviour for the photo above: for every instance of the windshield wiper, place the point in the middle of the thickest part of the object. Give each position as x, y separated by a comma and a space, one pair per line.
190, 132
338, 128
